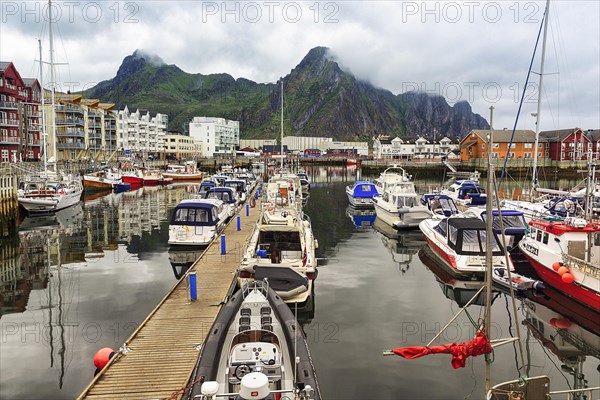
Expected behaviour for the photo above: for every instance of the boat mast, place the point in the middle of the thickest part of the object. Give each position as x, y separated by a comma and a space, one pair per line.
44, 134
539, 105
489, 234
53, 82
281, 125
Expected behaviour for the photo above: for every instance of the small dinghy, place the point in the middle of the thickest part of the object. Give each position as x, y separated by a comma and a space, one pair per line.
255, 350
519, 283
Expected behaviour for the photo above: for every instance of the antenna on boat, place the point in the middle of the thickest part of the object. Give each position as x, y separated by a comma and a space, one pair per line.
53, 82
488, 249
539, 105
44, 134
295, 340
281, 125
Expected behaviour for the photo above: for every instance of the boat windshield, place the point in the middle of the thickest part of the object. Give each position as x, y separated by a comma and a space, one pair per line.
194, 216
443, 206
471, 241
509, 221
224, 196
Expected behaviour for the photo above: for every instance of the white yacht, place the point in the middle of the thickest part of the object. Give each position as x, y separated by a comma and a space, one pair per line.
196, 222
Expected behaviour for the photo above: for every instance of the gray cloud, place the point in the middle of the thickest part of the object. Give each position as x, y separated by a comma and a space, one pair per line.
474, 51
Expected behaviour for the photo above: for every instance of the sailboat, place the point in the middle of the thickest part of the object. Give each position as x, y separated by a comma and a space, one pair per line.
51, 191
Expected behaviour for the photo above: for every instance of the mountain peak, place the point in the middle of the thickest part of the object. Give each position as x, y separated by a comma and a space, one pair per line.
150, 58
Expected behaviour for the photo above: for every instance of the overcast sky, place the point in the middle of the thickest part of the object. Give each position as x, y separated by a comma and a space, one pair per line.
477, 51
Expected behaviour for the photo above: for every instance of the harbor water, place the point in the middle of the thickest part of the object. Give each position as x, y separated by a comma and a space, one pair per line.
84, 279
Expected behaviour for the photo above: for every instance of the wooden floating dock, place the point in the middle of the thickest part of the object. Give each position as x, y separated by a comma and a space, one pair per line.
9, 206
163, 350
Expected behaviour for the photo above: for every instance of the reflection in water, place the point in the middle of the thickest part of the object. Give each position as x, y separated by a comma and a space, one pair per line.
459, 291
44, 267
182, 259
362, 218
565, 336
402, 245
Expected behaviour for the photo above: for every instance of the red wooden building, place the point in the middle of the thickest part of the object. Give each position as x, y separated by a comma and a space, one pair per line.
570, 144
20, 115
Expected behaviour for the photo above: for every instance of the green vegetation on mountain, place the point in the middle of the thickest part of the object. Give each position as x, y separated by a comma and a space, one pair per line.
320, 99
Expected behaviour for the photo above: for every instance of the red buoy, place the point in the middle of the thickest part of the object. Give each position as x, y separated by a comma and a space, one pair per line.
102, 357
563, 270
556, 265
568, 278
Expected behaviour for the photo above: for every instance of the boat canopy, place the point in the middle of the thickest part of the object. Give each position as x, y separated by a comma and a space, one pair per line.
467, 236
364, 189
195, 213
238, 185
205, 186
512, 220
439, 204
225, 194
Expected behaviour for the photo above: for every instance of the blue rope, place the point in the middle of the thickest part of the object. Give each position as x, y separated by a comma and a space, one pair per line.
521, 104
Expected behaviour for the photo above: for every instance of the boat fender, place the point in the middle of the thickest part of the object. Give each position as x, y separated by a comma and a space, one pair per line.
539, 286
102, 357
563, 270
557, 265
567, 277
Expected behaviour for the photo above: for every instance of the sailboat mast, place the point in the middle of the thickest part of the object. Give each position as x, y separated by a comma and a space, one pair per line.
489, 235
53, 83
282, 125
43, 110
539, 103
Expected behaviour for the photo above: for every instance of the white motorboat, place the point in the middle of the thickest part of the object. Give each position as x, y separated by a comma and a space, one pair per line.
282, 249
196, 222
227, 195
398, 204
46, 195
187, 172
460, 243
254, 350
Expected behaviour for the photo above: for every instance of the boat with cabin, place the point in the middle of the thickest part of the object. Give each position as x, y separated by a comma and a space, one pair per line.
106, 179
187, 172
566, 255
255, 350
459, 242
227, 195
196, 222
50, 193
361, 193
282, 249
398, 204
466, 192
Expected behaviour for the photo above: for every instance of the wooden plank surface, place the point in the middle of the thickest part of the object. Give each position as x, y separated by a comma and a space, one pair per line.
163, 349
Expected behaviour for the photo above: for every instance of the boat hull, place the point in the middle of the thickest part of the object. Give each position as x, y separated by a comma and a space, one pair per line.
404, 218
50, 204
183, 177
586, 296
95, 184
133, 180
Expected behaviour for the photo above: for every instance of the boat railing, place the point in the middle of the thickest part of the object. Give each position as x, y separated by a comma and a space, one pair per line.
584, 266
575, 393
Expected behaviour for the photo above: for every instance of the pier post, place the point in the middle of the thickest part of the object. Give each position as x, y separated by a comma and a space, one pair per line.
193, 288
223, 247
239, 223
247, 210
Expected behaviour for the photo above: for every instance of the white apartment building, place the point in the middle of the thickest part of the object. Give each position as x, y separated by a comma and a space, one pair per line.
141, 132
257, 143
218, 135
384, 147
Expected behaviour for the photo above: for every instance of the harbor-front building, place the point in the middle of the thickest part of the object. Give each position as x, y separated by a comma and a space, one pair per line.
572, 144
140, 132
474, 145
20, 115
396, 148
177, 146
219, 136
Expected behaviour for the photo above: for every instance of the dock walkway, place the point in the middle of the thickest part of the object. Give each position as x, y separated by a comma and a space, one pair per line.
163, 350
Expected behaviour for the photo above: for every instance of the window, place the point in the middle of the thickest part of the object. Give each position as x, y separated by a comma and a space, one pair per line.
4, 155
545, 239
483, 145
527, 155
540, 154
532, 233
528, 145
496, 145
538, 237
513, 145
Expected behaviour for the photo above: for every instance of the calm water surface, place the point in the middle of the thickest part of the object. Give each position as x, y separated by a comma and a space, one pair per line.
85, 279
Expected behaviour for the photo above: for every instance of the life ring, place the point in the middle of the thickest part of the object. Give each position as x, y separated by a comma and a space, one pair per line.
252, 202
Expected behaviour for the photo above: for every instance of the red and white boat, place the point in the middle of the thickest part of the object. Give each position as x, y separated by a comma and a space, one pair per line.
460, 244
573, 244
135, 177
155, 178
